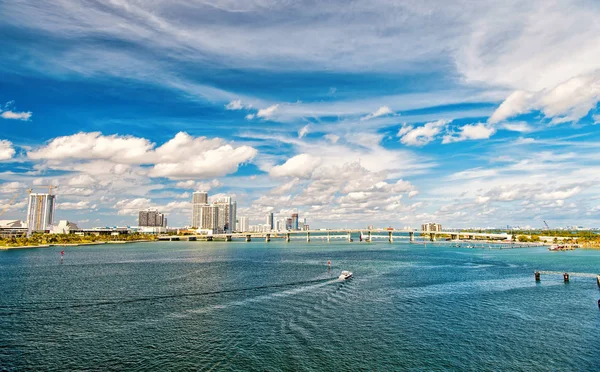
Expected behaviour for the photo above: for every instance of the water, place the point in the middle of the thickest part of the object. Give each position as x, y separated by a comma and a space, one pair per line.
275, 306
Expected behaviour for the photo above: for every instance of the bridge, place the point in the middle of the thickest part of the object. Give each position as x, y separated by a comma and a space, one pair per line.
367, 235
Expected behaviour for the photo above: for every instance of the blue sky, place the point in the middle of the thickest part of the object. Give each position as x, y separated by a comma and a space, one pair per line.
369, 112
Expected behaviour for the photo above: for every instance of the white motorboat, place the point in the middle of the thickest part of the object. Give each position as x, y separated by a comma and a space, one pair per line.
345, 275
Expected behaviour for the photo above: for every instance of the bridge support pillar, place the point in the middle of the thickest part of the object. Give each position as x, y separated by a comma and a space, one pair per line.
228, 238
411, 236
329, 240
308, 237
349, 236
390, 237
268, 238
248, 238
369, 237
287, 237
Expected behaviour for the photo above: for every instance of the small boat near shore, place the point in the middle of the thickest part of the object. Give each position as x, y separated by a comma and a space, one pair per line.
345, 275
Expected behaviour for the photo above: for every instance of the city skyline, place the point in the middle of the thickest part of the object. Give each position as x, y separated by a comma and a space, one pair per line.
480, 117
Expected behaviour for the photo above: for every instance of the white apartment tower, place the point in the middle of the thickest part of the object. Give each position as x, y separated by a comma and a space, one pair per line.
40, 212
209, 218
199, 200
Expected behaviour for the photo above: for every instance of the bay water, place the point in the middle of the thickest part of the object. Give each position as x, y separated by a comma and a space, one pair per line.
277, 306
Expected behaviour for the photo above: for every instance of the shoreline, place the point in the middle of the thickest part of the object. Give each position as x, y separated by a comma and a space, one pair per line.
6, 248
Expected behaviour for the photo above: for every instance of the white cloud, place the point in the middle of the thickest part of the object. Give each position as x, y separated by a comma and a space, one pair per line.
268, 112
75, 206
82, 180
568, 101
470, 132
11, 187
250, 116
420, 136
300, 166
16, 115
333, 138
131, 207
183, 156
234, 105
520, 126
186, 156
303, 131
189, 184
382, 111
6, 150
94, 145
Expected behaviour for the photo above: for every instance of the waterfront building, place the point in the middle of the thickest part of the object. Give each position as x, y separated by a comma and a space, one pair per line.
243, 224
233, 217
431, 227
294, 221
152, 218
199, 200
64, 227
225, 207
288, 224
270, 221
200, 197
209, 218
40, 211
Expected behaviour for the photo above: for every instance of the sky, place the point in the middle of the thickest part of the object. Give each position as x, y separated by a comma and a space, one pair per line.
350, 113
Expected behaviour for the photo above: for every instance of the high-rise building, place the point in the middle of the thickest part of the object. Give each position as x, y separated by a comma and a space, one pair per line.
233, 215
199, 200
244, 225
294, 221
225, 213
200, 197
270, 221
152, 218
40, 211
431, 227
288, 223
209, 218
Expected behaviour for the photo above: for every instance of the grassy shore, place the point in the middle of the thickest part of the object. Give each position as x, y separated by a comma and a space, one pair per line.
71, 240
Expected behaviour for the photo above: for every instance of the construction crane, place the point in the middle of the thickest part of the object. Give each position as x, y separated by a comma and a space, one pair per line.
50, 188
547, 227
9, 204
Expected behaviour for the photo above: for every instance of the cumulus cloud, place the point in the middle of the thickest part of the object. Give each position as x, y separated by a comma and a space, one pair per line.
382, 111
300, 166
470, 132
131, 207
6, 150
82, 180
11, 187
420, 136
181, 157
